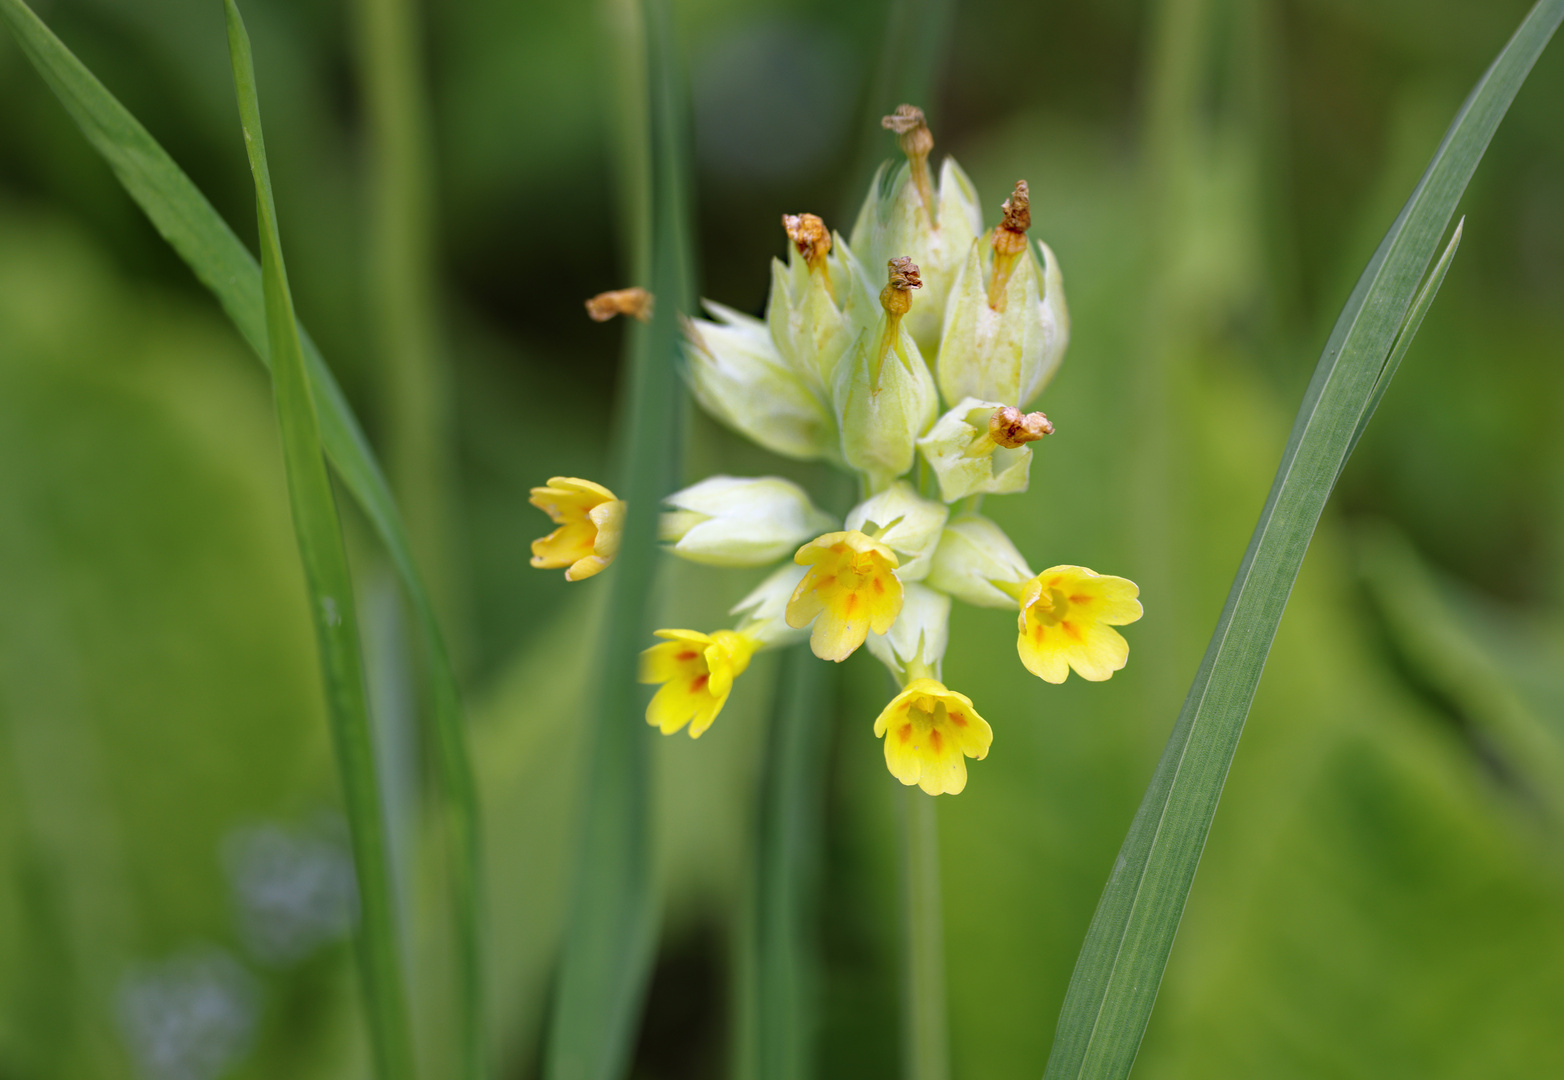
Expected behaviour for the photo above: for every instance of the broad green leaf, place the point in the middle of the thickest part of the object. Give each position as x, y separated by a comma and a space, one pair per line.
330, 586
1125, 953
609, 943
184, 217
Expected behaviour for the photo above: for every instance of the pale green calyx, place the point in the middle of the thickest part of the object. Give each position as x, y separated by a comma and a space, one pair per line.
906, 214
1010, 351
764, 609
737, 374
914, 647
904, 522
741, 521
821, 300
961, 450
976, 562
883, 392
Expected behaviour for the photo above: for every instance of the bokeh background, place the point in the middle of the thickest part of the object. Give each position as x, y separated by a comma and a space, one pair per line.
1383, 891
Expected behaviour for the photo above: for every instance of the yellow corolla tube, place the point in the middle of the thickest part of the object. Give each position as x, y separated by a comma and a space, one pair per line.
591, 522
696, 672
1067, 618
929, 733
850, 588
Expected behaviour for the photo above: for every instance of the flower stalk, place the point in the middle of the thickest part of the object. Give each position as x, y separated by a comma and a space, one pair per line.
925, 1019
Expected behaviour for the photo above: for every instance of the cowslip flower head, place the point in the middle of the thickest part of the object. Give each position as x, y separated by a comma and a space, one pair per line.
850, 588
884, 395
591, 522
740, 521
739, 377
905, 214
697, 672
821, 300
763, 613
929, 733
914, 646
904, 522
1068, 615
976, 562
977, 448
1007, 326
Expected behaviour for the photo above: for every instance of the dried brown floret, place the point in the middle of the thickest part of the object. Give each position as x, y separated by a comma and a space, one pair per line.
1010, 427
635, 302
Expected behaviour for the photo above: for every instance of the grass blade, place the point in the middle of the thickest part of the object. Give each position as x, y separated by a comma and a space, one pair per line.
608, 946
184, 218
1120, 966
324, 555
1420, 306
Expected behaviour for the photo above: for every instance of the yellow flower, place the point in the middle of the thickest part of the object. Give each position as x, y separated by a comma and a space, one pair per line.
851, 588
1067, 618
929, 732
697, 672
591, 522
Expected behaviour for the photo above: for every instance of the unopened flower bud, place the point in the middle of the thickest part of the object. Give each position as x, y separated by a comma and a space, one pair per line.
969, 459
764, 610
905, 214
635, 302
884, 395
914, 646
820, 301
1004, 351
739, 377
904, 522
740, 521
976, 562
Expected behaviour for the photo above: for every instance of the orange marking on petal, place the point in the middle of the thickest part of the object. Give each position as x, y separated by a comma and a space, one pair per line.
935, 739
958, 719
1071, 629
852, 603
1037, 632
1082, 599
879, 586
825, 581
698, 683
686, 656
905, 733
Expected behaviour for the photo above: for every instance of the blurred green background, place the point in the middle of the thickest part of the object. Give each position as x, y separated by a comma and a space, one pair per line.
1383, 891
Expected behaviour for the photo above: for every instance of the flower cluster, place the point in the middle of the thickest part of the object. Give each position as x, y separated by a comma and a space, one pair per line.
843, 372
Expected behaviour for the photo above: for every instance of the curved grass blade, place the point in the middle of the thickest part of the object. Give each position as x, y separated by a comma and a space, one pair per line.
1120, 966
1414, 321
609, 943
220, 261
324, 555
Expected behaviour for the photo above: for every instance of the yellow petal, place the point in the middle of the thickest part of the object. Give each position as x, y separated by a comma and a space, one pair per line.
1042, 650
1099, 652
563, 546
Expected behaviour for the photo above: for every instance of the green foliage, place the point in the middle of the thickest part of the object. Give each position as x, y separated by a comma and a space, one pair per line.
332, 608
1379, 892
159, 688
1120, 969
187, 221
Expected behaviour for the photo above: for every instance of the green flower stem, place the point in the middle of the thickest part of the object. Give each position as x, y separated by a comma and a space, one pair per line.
777, 997
401, 258
324, 556
925, 1024
612, 932
416, 397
